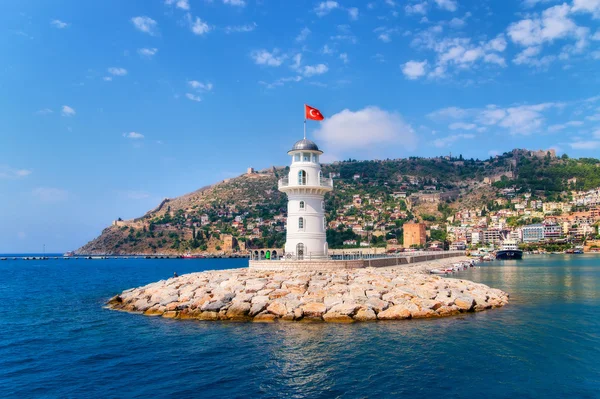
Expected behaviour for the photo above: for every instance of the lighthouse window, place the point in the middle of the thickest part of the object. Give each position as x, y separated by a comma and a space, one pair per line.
306, 157
302, 178
314, 158
323, 205
297, 158
301, 223
301, 204
320, 176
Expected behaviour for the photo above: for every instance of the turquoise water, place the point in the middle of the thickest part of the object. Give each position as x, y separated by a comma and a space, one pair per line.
57, 341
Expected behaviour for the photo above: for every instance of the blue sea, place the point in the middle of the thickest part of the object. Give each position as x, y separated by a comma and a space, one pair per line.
57, 340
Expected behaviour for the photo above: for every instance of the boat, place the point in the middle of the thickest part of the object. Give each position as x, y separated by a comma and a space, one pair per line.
437, 271
509, 250
68, 254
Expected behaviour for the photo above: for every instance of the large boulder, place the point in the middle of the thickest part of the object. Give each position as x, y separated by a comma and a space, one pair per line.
264, 318
396, 312
277, 308
214, 306
464, 302
365, 314
314, 309
238, 310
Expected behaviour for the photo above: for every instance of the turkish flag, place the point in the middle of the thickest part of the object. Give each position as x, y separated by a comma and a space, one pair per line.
312, 113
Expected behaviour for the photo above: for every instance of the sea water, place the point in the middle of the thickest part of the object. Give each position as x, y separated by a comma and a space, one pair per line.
57, 340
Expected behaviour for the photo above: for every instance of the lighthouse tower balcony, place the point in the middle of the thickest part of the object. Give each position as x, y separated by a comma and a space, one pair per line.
323, 185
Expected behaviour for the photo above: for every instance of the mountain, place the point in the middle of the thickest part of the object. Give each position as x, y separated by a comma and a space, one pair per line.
369, 196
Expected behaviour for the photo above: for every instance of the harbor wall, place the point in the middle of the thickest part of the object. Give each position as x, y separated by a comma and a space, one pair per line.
327, 264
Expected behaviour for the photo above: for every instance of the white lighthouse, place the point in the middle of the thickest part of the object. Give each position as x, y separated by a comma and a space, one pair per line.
305, 187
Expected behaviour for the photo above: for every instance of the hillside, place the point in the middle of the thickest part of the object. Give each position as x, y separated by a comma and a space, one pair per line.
371, 199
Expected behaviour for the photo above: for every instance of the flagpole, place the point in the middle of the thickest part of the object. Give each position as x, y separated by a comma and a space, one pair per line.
304, 121
304, 129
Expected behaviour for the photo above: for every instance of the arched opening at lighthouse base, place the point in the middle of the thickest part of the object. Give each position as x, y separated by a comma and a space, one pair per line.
300, 251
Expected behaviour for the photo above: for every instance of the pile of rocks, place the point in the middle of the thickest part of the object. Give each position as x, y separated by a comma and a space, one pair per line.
333, 296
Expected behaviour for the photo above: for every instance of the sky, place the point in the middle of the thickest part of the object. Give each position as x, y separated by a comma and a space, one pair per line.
110, 106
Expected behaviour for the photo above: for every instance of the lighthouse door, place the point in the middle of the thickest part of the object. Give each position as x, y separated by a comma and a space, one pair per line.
300, 251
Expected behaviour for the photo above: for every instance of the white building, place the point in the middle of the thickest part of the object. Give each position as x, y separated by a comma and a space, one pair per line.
306, 187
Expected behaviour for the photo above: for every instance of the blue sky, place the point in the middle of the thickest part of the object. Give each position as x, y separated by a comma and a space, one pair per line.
110, 106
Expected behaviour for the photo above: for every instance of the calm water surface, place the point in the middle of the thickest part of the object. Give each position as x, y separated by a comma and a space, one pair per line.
56, 340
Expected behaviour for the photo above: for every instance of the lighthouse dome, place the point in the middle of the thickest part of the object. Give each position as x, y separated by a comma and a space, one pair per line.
305, 145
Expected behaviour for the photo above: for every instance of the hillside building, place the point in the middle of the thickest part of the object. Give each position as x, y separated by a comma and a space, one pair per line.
414, 234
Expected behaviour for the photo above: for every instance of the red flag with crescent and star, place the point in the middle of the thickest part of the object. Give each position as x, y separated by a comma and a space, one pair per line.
312, 113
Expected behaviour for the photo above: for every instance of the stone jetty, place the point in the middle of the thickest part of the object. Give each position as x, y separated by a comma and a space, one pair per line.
333, 296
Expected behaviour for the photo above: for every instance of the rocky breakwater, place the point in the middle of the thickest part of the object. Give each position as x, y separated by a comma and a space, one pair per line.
332, 296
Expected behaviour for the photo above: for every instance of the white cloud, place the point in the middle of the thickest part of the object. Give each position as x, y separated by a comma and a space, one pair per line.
197, 25
449, 113
117, 71
183, 4
133, 135
303, 35
57, 23
6, 172
448, 5
384, 37
350, 133
44, 111
193, 97
145, 24
494, 59
449, 140
237, 3
459, 53
553, 24
312, 70
585, 145
590, 6
327, 50
518, 119
462, 126
194, 84
264, 57
147, 52
353, 13
50, 194
344, 58
281, 81
67, 111
562, 126
417, 8
325, 7
414, 69
107, 78
297, 61
241, 28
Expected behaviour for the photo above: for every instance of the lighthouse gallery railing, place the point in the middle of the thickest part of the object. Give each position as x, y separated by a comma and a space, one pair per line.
323, 182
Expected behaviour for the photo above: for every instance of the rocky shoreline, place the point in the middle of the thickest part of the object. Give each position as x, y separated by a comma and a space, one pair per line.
350, 295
